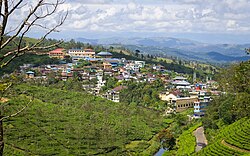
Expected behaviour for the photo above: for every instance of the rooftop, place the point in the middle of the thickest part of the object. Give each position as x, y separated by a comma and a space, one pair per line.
119, 88
185, 83
112, 60
58, 50
76, 49
30, 72
180, 78
92, 59
104, 53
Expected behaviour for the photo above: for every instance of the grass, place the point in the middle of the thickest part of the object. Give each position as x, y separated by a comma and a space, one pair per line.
186, 142
62, 122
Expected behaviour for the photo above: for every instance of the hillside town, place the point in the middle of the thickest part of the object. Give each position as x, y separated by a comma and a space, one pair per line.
93, 69
117, 78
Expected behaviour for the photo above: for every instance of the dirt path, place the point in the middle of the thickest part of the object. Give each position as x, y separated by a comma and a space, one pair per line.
201, 140
234, 147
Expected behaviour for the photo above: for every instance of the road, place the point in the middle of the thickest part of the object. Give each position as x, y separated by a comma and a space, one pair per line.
201, 140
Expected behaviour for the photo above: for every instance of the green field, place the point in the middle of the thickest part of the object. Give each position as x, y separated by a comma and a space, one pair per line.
60, 122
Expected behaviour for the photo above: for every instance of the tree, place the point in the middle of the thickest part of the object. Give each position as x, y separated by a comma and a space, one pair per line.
247, 51
234, 105
111, 48
142, 56
167, 139
13, 42
137, 52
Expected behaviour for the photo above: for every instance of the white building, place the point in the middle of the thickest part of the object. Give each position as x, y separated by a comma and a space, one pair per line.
201, 104
141, 64
78, 54
113, 94
100, 81
181, 83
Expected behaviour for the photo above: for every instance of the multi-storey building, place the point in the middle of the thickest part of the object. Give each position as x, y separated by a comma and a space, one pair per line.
177, 102
201, 104
78, 54
181, 83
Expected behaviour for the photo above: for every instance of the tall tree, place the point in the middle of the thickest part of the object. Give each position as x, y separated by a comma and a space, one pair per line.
137, 52
248, 51
13, 34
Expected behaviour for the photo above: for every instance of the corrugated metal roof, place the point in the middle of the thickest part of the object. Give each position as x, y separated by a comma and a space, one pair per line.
102, 53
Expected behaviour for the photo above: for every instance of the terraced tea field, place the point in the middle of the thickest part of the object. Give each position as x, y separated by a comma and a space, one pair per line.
233, 140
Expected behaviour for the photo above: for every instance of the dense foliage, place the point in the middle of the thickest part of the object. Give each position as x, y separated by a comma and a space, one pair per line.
235, 103
143, 94
232, 107
74, 123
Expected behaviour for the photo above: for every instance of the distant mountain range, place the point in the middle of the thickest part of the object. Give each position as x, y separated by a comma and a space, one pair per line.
182, 48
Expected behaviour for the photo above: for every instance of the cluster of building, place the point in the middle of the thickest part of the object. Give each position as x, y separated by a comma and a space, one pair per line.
182, 95
179, 94
100, 65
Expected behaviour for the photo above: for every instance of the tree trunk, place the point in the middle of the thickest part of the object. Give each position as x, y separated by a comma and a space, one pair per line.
1, 138
1, 131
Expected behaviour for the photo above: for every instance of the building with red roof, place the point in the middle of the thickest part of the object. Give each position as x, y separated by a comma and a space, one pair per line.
57, 53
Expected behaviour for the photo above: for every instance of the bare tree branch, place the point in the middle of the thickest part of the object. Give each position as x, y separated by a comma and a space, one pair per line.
1, 4
34, 18
18, 112
4, 20
8, 86
32, 11
4, 90
15, 7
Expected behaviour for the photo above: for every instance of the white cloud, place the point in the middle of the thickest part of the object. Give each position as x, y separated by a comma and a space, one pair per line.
90, 1
151, 15
131, 6
231, 24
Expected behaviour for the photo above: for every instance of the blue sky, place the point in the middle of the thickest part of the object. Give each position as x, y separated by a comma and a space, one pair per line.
213, 21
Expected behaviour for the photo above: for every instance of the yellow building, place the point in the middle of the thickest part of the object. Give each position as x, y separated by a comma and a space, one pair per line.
81, 53
179, 103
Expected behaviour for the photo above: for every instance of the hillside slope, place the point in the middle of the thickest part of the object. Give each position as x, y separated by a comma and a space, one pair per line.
60, 122
232, 140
